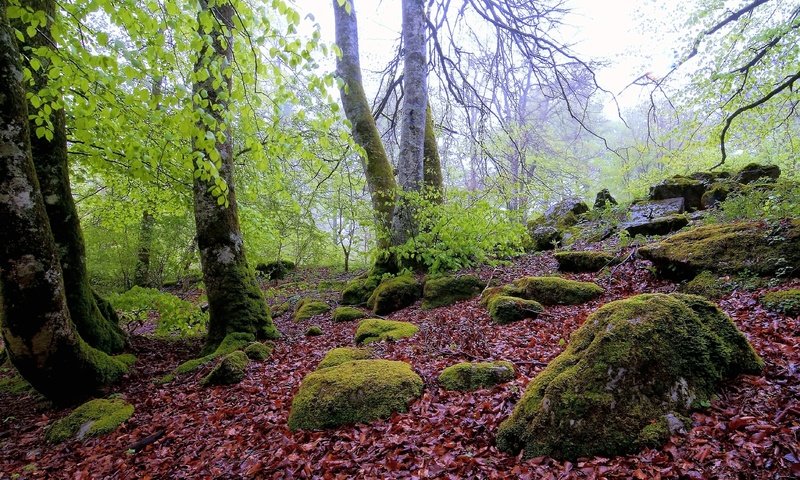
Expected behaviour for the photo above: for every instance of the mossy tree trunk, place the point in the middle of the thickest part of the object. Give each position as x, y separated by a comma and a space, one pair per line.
235, 301
377, 169
37, 330
52, 170
433, 180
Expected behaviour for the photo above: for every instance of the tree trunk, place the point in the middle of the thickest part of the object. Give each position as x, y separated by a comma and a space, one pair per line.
235, 301
142, 274
410, 168
52, 170
38, 332
377, 169
433, 164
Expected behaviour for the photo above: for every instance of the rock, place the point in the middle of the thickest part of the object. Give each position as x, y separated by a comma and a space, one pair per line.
376, 330
786, 302
505, 309
394, 294
230, 370
259, 351
566, 211
340, 355
628, 378
689, 189
753, 172
657, 226
584, 261
647, 210
347, 314
472, 376
314, 331
758, 247
443, 291
709, 178
718, 192
543, 237
706, 284
604, 199
92, 419
359, 391
358, 291
275, 270
307, 308
556, 290
548, 230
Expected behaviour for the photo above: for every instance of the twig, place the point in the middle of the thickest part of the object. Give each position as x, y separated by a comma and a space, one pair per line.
140, 444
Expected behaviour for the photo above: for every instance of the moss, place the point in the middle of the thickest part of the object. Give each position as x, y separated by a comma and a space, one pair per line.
308, 308
128, 359
15, 385
507, 290
340, 355
314, 331
347, 314
353, 392
472, 376
358, 291
504, 309
586, 261
706, 284
783, 301
394, 293
259, 351
229, 370
755, 172
93, 418
761, 248
376, 330
556, 290
718, 192
231, 343
689, 189
632, 363
443, 291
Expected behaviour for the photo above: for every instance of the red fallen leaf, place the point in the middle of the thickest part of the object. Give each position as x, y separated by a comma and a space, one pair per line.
640, 474
738, 422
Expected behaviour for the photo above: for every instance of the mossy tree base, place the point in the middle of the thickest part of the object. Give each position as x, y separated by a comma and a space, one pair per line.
92, 419
230, 370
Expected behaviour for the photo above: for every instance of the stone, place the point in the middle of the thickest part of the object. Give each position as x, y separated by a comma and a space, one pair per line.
347, 314
556, 290
657, 226
93, 418
709, 178
756, 172
604, 199
394, 294
444, 291
505, 309
468, 376
314, 331
229, 370
543, 237
689, 189
717, 193
584, 261
340, 355
259, 351
358, 291
276, 270
376, 330
566, 211
307, 308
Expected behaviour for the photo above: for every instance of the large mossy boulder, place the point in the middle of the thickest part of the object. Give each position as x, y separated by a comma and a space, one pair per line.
376, 330
706, 284
468, 376
307, 308
689, 189
548, 230
347, 314
340, 355
444, 291
555, 290
92, 419
542, 237
359, 391
394, 294
229, 370
758, 247
506, 309
358, 291
628, 378
718, 193
584, 261
756, 172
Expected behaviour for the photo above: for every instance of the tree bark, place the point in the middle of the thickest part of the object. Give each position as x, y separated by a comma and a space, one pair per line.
235, 301
38, 332
377, 169
432, 162
410, 168
52, 170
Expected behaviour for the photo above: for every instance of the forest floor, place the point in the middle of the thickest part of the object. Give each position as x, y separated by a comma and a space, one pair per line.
750, 431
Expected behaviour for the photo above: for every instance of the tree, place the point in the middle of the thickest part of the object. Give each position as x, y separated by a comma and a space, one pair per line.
37, 326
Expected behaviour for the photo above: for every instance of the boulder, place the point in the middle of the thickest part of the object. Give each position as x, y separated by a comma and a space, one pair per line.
314, 331
340, 355
259, 351
468, 376
358, 291
757, 247
556, 290
92, 419
657, 226
628, 378
604, 199
786, 302
230, 370
548, 230
718, 192
755, 172
584, 261
307, 308
706, 284
505, 309
359, 391
543, 237
689, 189
565, 212
709, 178
443, 291
376, 330
347, 314
394, 293
275, 270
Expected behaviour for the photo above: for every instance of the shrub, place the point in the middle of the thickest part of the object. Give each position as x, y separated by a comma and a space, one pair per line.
176, 316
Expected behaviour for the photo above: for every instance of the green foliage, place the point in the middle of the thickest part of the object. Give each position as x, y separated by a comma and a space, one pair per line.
773, 201
93, 418
783, 301
472, 376
175, 316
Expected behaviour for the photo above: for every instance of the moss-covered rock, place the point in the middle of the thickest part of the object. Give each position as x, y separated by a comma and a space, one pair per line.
756, 172
542, 237
340, 355
718, 192
395, 293
231, 342
347, 314
443, 291
509, 290
566, 212
275, 270
758, 247
229, 370
633, 364
314, 331
604, 199
689, 189
376, 330
307, 308
359, 391
358, 291
92, 419
657, 225
783, 301
15, 385
706, 284
259, 351
585, 261
556, 290
709, 178
505, 309
472, 376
